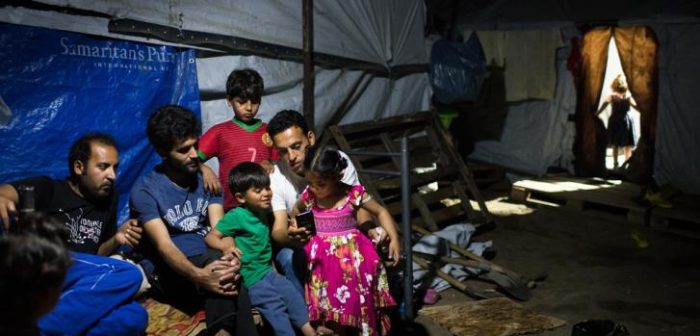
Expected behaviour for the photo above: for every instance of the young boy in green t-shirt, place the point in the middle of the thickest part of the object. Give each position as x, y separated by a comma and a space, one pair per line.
272, 294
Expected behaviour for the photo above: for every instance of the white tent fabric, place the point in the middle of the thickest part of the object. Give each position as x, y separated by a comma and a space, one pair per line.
383, 32
372, 97
375, 97
537, 134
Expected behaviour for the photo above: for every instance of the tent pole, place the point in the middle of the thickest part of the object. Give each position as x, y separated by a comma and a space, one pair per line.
308, 43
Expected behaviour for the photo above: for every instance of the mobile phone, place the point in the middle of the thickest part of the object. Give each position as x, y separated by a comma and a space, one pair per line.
306, 220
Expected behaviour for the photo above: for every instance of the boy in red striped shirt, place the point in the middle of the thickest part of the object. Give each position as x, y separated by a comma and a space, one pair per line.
243, 138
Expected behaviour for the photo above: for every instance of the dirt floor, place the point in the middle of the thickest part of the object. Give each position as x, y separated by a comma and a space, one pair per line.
595, 270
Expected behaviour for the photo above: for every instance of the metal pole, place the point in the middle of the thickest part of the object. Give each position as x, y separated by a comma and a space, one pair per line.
406, 228
308, 44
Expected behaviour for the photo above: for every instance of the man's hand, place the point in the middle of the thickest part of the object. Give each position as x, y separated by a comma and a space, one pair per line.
211, 182
8, 210
296, 234
378, 236
221, 276
129, 233
395, 252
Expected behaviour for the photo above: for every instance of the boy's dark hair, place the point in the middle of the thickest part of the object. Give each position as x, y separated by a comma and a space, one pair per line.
284, 120
246, 84
247, 175
30, 267
82, 148
171, 124
325, 161
33, 262
42, 225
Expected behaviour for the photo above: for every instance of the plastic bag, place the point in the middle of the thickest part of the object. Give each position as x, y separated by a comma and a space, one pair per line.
457, 70
599, 328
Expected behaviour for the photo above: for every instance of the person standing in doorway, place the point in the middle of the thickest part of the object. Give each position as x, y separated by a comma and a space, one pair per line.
620, 136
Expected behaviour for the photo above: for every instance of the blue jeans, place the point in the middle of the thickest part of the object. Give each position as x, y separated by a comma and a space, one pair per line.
97, 299
291, 262
278, 301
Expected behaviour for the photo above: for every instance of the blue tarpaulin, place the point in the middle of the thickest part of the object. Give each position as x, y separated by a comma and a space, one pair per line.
55, 86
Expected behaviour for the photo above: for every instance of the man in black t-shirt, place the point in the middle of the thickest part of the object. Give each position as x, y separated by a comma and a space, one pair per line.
85, 202
97, 296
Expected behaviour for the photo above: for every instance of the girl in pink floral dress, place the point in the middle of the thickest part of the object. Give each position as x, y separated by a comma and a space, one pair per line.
347, 286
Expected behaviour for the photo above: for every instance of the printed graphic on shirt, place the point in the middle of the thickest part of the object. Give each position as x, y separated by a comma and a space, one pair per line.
82, 230
188, 217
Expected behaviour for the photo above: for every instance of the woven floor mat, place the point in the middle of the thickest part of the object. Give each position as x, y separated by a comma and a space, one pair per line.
492, 317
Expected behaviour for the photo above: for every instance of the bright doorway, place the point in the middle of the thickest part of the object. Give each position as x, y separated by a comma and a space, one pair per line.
612, 70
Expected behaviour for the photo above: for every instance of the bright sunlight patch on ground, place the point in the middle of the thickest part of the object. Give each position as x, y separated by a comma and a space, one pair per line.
498, 206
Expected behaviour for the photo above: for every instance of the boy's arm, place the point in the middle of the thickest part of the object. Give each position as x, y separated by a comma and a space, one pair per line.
216, 240
211, 182
207, 149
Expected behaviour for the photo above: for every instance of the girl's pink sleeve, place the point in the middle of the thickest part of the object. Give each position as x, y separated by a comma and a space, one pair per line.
307, 197
356, 193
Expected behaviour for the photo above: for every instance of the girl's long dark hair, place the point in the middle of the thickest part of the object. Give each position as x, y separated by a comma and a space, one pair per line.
326, 161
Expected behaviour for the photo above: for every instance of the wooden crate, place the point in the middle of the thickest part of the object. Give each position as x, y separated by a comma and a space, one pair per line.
682, 219
441, 183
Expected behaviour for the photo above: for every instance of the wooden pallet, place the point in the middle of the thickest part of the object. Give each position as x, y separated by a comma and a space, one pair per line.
581, 194
429, 146
682, 219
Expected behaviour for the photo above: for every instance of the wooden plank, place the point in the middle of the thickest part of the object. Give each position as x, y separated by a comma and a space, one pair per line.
404, 121
519, 194
429, 199
578, 196
424, 212
417, 179
367, 181
465, 201
462, 168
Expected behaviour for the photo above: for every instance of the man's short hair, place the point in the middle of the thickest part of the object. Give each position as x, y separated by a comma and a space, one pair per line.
246, 84
171, 124
82, 148
284, 120
247, 175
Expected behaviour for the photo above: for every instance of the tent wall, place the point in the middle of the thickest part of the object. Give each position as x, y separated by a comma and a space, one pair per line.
363, 95
677, 157
537, 134
385, 32
676, 24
